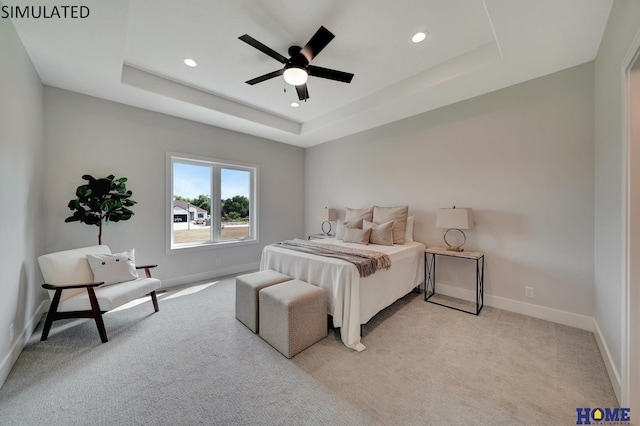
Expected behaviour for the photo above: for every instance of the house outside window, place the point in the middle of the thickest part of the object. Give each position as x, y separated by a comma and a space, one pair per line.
184, 211
211, 202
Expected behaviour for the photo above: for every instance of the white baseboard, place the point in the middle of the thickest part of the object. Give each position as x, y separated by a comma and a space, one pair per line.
583, 322
542, 312
614, 374
215, 273
21, 340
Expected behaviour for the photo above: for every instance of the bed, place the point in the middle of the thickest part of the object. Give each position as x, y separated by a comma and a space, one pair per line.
353, 300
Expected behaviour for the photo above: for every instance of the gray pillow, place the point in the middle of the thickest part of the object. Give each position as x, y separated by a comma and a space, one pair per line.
354, 215
355, 235
399, 217
380, 234
342, 225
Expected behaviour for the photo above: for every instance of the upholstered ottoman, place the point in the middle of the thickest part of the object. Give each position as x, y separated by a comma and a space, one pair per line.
247, 288
293, 316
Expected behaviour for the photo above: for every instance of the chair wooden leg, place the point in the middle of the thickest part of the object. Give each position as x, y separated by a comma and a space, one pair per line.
154, 299
97, 315
53, 310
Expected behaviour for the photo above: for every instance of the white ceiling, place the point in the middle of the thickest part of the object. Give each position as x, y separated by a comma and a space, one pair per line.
131, 51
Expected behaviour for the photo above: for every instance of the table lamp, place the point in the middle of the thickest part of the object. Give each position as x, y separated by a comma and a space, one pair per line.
326, 215
454, 220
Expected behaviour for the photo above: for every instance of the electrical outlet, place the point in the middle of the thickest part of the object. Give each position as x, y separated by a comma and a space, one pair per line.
528, 292
11, 336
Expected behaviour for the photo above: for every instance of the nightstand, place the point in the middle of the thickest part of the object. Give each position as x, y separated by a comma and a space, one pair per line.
430, 274
320, 236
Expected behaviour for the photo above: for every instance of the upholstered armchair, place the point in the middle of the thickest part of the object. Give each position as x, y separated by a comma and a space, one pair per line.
87, 282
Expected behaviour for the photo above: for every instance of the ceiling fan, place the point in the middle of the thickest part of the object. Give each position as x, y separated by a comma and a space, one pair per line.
297, 68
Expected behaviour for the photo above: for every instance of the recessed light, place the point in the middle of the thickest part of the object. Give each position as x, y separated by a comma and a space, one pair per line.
418, 37
295, 104
190, 62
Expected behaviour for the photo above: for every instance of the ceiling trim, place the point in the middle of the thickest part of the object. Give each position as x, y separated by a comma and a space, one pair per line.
149, 82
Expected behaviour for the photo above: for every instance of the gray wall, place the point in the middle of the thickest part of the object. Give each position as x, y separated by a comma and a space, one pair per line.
86, 135
521, 157
21, 160
610, 169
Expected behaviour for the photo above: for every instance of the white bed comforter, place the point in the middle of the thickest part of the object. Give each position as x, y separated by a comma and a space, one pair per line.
352, 300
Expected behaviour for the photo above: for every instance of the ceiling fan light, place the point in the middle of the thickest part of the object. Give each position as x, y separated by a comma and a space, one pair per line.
295, 76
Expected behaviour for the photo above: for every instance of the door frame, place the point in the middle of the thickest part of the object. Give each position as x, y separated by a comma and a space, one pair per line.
630, 379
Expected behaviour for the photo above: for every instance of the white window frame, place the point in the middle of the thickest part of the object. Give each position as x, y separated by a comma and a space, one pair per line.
217, 165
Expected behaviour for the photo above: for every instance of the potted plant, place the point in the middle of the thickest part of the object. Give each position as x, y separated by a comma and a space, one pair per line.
101, 200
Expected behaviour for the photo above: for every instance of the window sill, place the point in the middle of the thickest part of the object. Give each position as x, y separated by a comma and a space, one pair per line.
187, 247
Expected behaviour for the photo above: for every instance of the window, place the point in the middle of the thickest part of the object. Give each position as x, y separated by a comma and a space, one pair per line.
211, 202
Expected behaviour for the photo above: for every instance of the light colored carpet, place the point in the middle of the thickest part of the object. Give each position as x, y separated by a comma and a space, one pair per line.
193, 363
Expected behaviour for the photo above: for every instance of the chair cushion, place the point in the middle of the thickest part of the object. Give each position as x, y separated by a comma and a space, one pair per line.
111, 296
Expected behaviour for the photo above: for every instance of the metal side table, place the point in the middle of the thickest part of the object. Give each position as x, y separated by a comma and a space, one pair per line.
430, 275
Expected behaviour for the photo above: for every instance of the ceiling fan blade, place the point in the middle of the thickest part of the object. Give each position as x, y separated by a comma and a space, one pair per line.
303, 92
265, 77
264, 49
342, 76
319, 41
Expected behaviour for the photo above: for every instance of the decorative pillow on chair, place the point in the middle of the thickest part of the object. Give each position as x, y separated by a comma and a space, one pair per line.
380, 234
113, 268
399, 217
356, 235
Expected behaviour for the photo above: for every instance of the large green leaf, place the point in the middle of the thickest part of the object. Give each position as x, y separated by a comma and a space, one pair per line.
107, 205
83, 191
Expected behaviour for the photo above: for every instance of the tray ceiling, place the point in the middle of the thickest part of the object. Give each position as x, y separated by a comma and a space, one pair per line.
132, 52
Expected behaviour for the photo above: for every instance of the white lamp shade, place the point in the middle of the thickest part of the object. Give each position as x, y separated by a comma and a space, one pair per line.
295, 76
327, 214
454, 218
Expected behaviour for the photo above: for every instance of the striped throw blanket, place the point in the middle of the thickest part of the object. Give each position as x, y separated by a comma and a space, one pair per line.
367, 261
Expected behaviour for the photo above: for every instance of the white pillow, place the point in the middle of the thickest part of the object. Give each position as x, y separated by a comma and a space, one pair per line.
408, 234
380, 233
113, 268
340, 227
